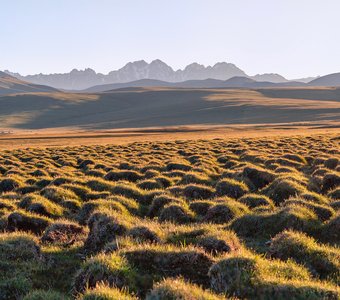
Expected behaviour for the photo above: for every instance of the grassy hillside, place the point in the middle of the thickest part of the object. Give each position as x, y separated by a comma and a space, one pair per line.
11, 85
251, 218
151, 107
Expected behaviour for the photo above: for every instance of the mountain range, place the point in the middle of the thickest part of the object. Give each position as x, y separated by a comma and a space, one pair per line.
138, 70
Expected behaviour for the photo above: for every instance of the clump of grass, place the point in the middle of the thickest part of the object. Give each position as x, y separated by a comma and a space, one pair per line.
104, 292
89, 207
99, 185
197, 191
149, 185
129, 190
221, 213
330, 181
324, 212
58, 194
168, 261
334, 194
195, 178
268, 224
111, 269
144, 234
42, 206
281, 189
45, 295
259, 177
250, 276
9, 184
27, 221
213, 241
19, 246
315, 197
172, 289
177, 213
127, 175
295, 157
80, 190
20, 257
180, 165
323, 261
64, 233
231, 188
331, 230
256, 200
104, 226
160, 201
331, 163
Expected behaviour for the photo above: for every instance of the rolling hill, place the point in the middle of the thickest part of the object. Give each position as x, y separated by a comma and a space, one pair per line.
234, 82
11, 85
328, 80
166, 106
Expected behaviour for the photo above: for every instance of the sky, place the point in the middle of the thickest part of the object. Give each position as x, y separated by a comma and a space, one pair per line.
295, 38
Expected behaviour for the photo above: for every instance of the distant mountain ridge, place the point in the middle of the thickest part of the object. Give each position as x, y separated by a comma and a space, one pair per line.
157, 70
133, 71
234, 82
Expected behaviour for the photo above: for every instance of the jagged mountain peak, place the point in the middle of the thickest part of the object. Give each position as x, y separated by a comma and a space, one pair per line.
135, 70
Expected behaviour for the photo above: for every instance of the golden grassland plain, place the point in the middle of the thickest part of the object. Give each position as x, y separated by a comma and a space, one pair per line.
236, 212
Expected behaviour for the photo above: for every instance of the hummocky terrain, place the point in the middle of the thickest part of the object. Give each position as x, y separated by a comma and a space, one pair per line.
250, 218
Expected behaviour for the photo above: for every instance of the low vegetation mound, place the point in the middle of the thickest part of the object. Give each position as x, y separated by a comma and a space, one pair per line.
322, 260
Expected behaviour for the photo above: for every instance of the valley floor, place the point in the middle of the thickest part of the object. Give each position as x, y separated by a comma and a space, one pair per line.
14, 138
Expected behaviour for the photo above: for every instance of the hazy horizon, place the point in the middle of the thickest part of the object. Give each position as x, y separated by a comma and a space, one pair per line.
294, 39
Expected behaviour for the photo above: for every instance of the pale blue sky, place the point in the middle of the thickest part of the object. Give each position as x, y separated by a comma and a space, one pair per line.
295, 38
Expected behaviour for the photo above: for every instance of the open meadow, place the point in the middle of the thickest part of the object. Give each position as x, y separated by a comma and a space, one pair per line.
253, 217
